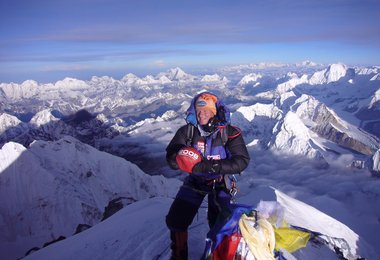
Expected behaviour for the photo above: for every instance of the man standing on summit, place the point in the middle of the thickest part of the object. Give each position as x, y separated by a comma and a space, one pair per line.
209, 149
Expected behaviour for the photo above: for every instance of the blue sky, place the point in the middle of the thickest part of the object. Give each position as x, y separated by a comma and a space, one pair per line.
47, 40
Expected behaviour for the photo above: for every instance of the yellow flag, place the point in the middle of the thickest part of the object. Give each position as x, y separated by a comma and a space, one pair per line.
290, 239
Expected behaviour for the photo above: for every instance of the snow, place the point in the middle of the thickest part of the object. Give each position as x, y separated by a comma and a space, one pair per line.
71, 83
376, 161
376, 77
249, 79
375, 99
211, 78
8, 121
267, 110
293, 136
292, 83
138, 231
332, 74
50, 188
298, 214
42, 118
135, 232
291, 125
176, 74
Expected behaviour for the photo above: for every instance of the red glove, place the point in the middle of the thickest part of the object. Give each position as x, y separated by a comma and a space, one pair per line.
187, 157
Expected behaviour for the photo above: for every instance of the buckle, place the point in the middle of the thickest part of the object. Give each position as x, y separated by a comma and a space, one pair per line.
233, 191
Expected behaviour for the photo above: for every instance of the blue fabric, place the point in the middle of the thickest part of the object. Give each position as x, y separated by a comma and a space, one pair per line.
280, 256
213, 152
218, 151
220, 230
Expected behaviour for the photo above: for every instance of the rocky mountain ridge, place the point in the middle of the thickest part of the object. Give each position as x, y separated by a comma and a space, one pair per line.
330, 104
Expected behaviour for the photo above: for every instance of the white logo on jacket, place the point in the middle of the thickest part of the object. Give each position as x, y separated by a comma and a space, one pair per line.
188, 153
213, 157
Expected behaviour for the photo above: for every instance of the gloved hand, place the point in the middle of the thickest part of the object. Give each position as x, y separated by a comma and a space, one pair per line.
187, 157
207, 166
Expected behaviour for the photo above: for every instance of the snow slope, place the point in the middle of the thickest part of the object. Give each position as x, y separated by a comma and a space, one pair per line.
136, 232
348, 198
46, 191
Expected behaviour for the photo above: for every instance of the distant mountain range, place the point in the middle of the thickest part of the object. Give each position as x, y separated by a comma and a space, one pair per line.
54, 178
305, 109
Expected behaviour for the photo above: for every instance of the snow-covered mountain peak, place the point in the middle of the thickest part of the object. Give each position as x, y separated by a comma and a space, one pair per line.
293, 125
312, 104
42, 118
211, 78
263, 110
8, 121
313, 112
291, 83
375, 100
336, 71
286, 100
130, 79
129, 76
176, 74
331, 74
102, 80
250, 78
292, 136
163, 79
168, 115
291, 75
102, 118
71, 83
9, 154
29, 84
366, 71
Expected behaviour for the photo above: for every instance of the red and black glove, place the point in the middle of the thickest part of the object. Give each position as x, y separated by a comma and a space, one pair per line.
187, 158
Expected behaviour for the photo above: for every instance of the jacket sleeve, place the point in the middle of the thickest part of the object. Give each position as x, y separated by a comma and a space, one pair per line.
178, 142
239, 157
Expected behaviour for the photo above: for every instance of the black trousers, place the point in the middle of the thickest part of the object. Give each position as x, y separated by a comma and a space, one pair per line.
190, 197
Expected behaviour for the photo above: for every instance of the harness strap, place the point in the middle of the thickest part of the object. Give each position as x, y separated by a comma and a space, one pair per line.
189, 134
224, 135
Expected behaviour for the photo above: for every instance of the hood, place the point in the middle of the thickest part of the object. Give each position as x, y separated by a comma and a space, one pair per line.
222, 112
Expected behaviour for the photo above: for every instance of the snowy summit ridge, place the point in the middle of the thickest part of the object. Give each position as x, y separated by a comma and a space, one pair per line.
71, 184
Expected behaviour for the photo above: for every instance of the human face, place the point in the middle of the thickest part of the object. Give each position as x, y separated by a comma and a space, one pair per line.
204, 115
